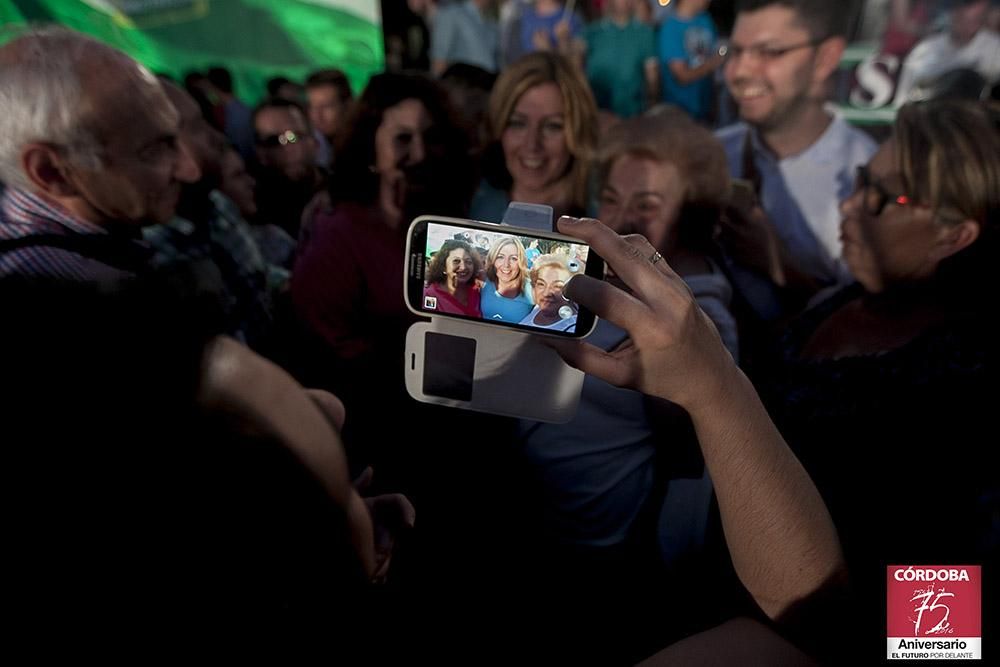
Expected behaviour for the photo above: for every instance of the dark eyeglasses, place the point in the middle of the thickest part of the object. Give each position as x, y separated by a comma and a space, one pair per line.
765, 53
283, 139
874, 195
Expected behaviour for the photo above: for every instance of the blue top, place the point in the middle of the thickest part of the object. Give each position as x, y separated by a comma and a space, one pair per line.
565, 324
239, 129
530, 255
461, 34
693, 42
800, 195
503, 308
532, 23
597, 470
489, 204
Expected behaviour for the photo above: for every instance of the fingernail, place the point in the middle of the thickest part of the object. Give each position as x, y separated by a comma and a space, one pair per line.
567, 220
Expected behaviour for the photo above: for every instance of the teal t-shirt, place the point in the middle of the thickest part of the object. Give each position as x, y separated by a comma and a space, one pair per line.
504, 309
616, 58
692, 41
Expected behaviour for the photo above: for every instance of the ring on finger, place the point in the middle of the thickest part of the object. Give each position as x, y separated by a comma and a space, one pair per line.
655, 257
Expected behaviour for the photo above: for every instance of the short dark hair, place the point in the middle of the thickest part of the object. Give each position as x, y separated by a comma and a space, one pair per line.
465, 75
275, 84
331, 77
277, 103
822, 18
220, 78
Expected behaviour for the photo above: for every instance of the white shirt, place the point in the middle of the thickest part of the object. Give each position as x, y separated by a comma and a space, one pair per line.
801, 195
937, 55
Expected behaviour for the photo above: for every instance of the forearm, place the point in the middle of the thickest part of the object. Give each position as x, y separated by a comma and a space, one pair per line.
573, 49
782, 540
686, 75
258, 397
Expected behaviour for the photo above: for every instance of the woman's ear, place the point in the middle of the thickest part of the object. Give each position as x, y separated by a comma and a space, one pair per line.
955, 238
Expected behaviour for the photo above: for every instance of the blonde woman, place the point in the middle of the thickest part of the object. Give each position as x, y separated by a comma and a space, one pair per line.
506, 295
543, 131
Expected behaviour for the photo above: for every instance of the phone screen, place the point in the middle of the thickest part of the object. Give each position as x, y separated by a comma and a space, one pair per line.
506, 276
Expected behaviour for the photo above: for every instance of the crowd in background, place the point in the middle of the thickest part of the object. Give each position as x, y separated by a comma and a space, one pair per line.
789, 388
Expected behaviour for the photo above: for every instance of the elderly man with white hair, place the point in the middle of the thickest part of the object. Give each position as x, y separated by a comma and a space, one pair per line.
92, 151
89, 153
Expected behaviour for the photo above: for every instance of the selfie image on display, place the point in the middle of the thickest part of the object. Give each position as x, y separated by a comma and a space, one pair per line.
501, 277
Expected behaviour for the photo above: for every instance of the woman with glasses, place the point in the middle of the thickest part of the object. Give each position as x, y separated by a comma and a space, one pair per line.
883, 390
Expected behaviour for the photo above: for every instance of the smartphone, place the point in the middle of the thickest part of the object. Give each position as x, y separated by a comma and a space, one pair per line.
499, 275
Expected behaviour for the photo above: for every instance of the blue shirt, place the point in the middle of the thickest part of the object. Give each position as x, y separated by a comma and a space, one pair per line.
532, 23
530, 255
691, 41
489, 204
461, 34
502, 308
801, 195
239, 129
597, 469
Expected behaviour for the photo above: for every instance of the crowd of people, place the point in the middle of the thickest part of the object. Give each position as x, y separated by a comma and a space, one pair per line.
788, 389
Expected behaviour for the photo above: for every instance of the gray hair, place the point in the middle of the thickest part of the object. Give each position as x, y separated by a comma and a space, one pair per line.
42, 98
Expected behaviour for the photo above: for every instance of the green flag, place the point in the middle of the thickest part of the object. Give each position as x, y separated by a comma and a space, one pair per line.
254, 39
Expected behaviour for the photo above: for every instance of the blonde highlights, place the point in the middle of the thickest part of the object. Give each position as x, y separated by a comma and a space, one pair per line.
948, 155
579, 110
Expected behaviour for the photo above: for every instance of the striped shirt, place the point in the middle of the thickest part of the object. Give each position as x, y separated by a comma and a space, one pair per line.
229, 264
24, 215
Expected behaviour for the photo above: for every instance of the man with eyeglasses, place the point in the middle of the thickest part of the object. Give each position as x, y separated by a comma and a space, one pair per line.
288, 176
800, 157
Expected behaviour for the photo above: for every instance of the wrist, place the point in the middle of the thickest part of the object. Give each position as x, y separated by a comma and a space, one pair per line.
723, 384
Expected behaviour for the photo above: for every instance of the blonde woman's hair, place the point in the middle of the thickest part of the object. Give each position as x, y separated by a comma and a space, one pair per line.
948, 154
522, 261
579, 110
